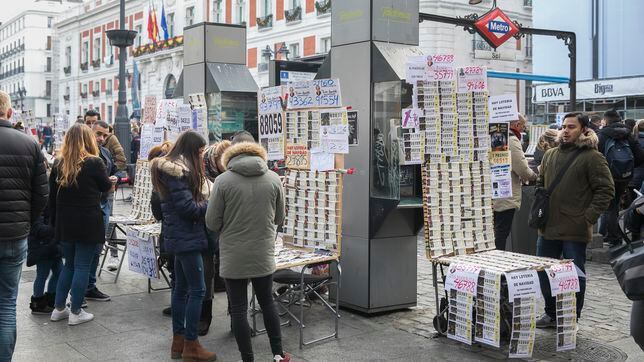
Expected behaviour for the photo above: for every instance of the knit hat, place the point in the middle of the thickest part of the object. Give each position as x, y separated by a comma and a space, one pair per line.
212, 154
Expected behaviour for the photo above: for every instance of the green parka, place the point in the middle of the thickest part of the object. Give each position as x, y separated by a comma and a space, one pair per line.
583, 193
245, 207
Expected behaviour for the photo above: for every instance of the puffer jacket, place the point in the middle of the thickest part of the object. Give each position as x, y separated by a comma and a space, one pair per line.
619, 131
114, 146
184, 228
245, 207
23, 183
42, 245
583, 193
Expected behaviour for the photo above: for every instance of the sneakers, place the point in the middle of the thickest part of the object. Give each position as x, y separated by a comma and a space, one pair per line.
286, 358
59, 315
112, 263
545, 321
39, 305
82, 317
95, 294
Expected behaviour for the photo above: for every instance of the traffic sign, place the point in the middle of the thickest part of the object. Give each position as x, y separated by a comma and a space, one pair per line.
495, 27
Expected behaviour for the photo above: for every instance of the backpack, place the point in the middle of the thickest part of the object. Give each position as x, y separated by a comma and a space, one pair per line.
620, 158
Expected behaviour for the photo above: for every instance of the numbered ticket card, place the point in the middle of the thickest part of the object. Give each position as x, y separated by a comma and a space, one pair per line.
523, 327
563, 278
459, 319
566, 321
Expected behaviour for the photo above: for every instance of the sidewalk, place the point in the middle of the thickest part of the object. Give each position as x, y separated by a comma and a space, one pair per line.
132, 328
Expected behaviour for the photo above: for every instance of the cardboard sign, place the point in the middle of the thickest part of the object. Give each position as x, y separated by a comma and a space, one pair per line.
269, 100
563, 278
334, 130
322, 161
472, 79
503, 108
462, 278
271, 134
151, 136
141, 256
315, 93
298, 157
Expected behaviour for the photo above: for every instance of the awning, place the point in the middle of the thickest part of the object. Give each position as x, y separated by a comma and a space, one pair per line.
230, 78
390, 60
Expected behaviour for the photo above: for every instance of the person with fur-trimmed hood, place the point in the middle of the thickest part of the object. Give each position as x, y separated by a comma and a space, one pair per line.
245, 208
183, 189
583, 193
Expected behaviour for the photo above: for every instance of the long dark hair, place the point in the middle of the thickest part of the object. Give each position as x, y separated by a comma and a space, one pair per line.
188, 147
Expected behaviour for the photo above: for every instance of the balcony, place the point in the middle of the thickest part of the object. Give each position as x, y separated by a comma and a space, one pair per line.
96, 93
84, 66
266, 22
323, 7
67, 70
158, 46
293, 15
83, 95
96, 63
66, 97
527, 3
109, 61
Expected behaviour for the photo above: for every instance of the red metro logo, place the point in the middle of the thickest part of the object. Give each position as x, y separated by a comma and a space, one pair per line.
495, 27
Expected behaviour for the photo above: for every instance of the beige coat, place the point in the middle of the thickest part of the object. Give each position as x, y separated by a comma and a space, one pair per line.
520, 171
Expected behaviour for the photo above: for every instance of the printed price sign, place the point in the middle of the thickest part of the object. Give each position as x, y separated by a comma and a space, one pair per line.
462, 278
563, 278
472, 79
271, 134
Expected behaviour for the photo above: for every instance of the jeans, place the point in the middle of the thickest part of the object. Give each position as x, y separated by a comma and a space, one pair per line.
75, 274
106, 207
613, 232
46, 142
502, 227
237, 290
12, 255
42, 273
568, 250
637, 323
209, 273
188, 293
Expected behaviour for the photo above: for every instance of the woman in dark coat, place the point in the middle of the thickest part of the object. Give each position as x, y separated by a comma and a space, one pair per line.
76, 182
184, 191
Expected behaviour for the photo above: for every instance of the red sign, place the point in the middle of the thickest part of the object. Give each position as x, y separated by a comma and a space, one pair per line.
495, 27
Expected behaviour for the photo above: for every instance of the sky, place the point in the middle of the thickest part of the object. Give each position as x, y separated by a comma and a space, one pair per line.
11, 8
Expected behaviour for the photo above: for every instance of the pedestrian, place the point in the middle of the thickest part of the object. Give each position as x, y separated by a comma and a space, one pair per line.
212, 168
248, 194
48, 135
183, 189
111, 142
44, 253
546, 141
623, 154
135, 145
23, 196
638, 172
504, 209
101, 132
77, 180
595, 121
584, 192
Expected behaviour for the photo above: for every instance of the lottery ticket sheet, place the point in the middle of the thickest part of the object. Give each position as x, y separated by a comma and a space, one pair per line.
488, 308
566, 321
141, 212
459, 316
523, 327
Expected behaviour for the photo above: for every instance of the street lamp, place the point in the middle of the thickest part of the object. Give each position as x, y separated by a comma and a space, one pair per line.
268, 52
122, 39
22, 93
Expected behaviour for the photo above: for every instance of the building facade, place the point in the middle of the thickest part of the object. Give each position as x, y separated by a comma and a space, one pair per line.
27, 59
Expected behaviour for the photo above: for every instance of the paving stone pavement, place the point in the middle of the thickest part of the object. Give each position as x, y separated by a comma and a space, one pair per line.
131, 328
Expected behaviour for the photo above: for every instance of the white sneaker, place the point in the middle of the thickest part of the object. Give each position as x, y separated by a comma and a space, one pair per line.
112, 263
79, 318
59, 315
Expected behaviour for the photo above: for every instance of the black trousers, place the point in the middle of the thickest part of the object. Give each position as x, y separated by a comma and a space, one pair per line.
237, 290
502, 227
613, 232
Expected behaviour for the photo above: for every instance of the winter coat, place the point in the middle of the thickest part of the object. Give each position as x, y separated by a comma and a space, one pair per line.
619, 131
42, 245
583, 193
638, 172
76, 209
112, 143
110, 166
183, 224
155, 205
23, 183
246, 205
520, 171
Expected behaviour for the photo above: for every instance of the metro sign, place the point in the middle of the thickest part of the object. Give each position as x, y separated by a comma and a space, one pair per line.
495, 27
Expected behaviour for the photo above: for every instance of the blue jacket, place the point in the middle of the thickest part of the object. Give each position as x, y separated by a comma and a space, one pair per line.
183, 222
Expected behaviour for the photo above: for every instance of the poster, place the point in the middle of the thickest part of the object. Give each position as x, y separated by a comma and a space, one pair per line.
141, 255
334, 130
523, 327
322, 161
151, 135
500, 161
352, 118
471, 79
298, 157
149, 109
184, 114
270, 109
166, 108
503, 108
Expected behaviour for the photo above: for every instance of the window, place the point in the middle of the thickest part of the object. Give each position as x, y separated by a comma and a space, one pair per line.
240, 13
68, 56
108, 54
48, 88
139, 31
97, 87
85, 88
48, 110
325, 45
85, 52
294, 50
109, 85
266, 7
97, 49
217, 11
190, 15
48, 42
170, 23
109, 114
48, 64
67, 91
293, 4
50, 21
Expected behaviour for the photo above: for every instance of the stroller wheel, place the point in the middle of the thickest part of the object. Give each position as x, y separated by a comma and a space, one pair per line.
440, 324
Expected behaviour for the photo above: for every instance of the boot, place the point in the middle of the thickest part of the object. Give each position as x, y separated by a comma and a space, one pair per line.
177, 346
194, 352
39, 305
51, 299
206, 317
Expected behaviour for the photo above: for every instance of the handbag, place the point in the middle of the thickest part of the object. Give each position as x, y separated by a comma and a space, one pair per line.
539, 211
628, 266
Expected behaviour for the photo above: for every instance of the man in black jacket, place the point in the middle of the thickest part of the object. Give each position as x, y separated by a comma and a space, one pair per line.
23, 196
616, 130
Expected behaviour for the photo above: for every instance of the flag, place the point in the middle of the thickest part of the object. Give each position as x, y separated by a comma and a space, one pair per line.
164, 24
135, 87
153, 28
156, 24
